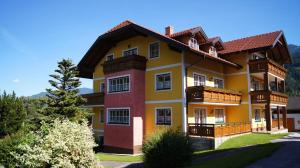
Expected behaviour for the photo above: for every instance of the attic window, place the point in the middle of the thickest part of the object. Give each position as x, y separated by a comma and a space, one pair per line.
213, 51
193, 43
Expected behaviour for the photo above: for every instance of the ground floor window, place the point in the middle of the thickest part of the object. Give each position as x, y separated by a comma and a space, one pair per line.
118, 116
219, 116
257, 115
163, 116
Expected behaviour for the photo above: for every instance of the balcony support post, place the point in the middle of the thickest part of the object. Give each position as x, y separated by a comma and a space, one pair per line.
268, 117
278, 117
266, 80
284, 117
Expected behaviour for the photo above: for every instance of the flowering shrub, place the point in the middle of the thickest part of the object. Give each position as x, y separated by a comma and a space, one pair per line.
61, 144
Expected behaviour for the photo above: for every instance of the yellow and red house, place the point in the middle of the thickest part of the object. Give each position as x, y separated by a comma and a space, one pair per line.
145, 81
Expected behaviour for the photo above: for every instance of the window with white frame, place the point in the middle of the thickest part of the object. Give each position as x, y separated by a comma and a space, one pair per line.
255, 85
163, 116
218, 83
102, 87
193, 43
219, 116
257, 115
199, 80
119, 84
110, 57
118, 116
101, 116
132, 51
154, 50
163, 81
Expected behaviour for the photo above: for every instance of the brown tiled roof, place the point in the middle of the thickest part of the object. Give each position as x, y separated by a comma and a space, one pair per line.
251, 43
123, 24
184, 32
212, 39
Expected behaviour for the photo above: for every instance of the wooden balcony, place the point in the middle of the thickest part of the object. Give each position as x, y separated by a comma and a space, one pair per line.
262, 96
94, 99
213, 95
125, 63
219, 130
275, 123
267, 65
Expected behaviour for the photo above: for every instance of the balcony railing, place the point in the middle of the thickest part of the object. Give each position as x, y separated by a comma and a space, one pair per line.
125, 63
213, 95
263, 96
275, 123
219, 130
267, 65
94, 99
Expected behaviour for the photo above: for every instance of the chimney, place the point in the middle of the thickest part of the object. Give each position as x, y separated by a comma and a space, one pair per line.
169, 30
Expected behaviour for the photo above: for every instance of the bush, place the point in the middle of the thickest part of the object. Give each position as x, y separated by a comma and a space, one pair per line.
170, 148
61, 144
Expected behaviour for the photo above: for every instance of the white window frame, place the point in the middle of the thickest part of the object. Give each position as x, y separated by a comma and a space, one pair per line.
259, 110
149, 52
196, 73
106, 57
107, 84
192, 43
155, 115
137, 50
222, 79
101, 110
206, 114
224, 114
116, 108
155, 75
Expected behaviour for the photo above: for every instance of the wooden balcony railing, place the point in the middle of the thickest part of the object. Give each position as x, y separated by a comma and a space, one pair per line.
219, 130
275, 123
262, 96
213, 95
267, 65
125, 63
94, 99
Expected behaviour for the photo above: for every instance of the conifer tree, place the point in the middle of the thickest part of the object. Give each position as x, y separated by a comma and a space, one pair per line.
64, 100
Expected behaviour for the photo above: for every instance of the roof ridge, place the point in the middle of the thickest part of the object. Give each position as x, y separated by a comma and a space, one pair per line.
183, 31
257, 35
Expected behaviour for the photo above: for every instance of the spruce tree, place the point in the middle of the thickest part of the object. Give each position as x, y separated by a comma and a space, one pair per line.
64, 100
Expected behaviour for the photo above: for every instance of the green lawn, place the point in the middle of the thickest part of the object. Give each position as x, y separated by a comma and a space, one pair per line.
119, 158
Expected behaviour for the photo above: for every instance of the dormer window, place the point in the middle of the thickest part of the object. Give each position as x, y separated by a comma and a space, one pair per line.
193, 43
213, 51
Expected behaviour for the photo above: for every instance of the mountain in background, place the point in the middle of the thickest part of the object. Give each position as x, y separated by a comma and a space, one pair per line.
81, 91
293, 77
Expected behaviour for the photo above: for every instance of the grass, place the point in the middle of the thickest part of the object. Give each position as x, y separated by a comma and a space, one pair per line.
119, 158
241, 159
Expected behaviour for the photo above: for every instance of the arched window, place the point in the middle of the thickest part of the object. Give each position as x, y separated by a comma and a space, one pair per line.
193, 43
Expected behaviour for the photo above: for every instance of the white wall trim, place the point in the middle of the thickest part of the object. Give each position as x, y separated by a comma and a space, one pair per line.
275, 105
163, 101
275, 76
217, 104
163, 67
99, 78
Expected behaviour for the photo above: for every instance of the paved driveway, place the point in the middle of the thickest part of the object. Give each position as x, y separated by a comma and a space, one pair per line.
287, 156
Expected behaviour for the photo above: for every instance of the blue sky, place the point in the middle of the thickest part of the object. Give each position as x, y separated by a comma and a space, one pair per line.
34, 35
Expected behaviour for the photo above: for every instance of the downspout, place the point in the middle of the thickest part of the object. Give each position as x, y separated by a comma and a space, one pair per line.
184, 94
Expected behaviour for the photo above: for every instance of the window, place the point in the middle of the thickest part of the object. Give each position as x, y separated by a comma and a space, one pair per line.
132, 51
193, 43
154, 50
199, 80
163, 116
257, 115
255, 85
101, 116
102, 87
213, 51
163, 81
110, 57
118, 116
218, 83
219, 116
120, 84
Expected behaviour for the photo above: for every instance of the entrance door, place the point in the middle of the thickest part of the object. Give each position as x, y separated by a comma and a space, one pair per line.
200, 116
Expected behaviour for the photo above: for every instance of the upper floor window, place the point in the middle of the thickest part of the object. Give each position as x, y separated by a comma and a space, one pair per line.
118, 116
119, 84
131, 51
163, 116
199, 80
255, 85
219, 116
257, 115
102, 87
101, 116
218, 83
110, 57
163, 81
213, 51
154, 50
193, 43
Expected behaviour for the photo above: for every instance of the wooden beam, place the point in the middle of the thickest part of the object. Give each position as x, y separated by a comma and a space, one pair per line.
278, 117
284, 117
268, 117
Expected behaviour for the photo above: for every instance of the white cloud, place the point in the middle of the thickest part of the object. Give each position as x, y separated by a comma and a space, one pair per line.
16, 80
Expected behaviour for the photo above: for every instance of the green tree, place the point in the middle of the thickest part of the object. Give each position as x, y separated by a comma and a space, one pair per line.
12, 114
64, 100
